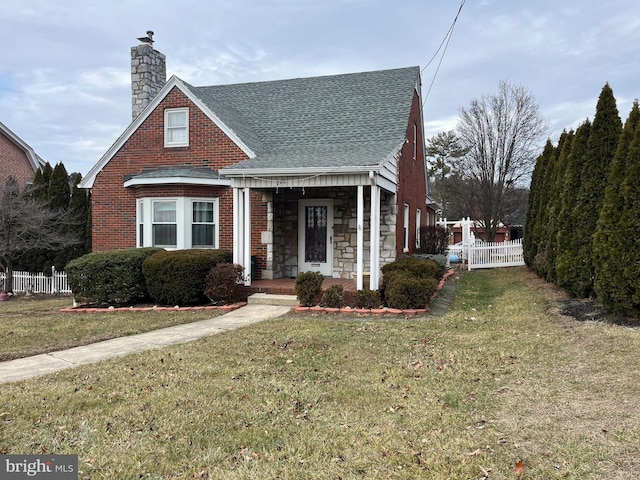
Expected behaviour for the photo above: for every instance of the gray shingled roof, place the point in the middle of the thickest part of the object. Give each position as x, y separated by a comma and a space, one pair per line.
347, 120
184, 172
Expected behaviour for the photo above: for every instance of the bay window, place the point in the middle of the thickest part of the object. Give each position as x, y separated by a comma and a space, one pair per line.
177, 223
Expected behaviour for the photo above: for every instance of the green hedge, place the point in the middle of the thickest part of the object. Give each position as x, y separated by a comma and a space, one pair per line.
406, 292
416, 267
410, 282
111, 277
178, 277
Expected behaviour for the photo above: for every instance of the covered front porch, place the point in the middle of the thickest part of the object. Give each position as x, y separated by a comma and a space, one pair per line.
345, 230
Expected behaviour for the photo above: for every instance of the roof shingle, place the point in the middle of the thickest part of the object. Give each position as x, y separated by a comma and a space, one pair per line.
345, 120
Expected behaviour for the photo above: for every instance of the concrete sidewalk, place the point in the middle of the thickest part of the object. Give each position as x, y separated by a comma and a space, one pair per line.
45, 363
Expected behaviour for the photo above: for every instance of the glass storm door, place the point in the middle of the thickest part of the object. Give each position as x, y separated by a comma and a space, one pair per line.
315, 230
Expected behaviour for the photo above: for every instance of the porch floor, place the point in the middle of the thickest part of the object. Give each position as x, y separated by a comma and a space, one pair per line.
287, 286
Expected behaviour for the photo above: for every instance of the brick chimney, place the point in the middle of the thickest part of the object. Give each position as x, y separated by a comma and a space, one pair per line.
148, 74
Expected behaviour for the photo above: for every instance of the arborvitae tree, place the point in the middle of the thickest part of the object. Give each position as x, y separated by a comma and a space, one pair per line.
79, 217
624, 295
603, 141
59, 193
534, 205
40, 185
566, 258
613, 238
556, 186
540, 231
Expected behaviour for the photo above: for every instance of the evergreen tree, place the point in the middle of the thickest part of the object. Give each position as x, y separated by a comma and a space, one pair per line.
556, 186
626, 299
59, 192
601, 148
540, 232
613, 238
566, 259
40, 184
535, 205
79, 217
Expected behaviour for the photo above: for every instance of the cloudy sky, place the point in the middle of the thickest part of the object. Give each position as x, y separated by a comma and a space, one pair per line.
65, 64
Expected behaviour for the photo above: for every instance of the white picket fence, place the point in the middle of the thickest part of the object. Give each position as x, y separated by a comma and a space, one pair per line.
37, 282
494, 255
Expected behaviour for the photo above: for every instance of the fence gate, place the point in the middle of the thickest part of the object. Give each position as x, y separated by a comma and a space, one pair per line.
496, 255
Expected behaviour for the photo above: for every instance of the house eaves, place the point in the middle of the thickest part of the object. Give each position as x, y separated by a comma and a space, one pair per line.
34, 159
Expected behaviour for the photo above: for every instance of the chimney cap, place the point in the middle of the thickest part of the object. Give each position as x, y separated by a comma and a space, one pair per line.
148, 39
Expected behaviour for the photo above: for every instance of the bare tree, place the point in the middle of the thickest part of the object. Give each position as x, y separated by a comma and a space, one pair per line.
503, 133
27, 224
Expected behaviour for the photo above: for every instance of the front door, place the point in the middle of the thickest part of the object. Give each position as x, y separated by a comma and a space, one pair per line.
315, 236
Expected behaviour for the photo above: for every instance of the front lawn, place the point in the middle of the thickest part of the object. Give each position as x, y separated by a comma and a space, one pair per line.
33, 325
501, 387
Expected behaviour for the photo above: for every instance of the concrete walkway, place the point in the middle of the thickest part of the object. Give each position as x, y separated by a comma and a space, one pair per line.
45, 363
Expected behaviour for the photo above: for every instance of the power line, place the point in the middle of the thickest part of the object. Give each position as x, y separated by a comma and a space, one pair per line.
445, 42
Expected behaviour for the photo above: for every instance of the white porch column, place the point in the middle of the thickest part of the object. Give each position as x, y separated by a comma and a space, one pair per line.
360, 239
374, 280
238, 218
242, 230
247, 236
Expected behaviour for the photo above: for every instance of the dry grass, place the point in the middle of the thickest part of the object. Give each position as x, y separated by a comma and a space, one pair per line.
500, 377
33, 325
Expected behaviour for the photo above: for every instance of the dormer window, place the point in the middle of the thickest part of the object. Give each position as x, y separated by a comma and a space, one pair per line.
176, 127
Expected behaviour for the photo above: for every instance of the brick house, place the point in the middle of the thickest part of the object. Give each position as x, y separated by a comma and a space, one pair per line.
17, 159
296, 175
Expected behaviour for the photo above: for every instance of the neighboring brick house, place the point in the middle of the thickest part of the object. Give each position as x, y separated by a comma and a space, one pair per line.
302, 174
17, 159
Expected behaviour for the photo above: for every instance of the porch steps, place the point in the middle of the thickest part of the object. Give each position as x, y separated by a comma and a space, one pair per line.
273, 299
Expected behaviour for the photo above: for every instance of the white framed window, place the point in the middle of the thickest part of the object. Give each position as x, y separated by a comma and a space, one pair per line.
140, 223
164, 226
405, 229
418, 220
203, 225
178, 223
176, 127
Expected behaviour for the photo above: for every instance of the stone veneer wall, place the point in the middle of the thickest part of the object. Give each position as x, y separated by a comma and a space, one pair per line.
285, 230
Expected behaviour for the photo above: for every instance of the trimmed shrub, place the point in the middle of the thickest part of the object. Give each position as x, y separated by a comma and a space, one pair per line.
308, 287
368, 299
333, 297
177, 277
406, 292
224, 284
112, 277
416, 267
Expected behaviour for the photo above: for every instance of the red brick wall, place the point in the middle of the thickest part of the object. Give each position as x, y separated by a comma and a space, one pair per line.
411, 181
114, 207
14, 163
